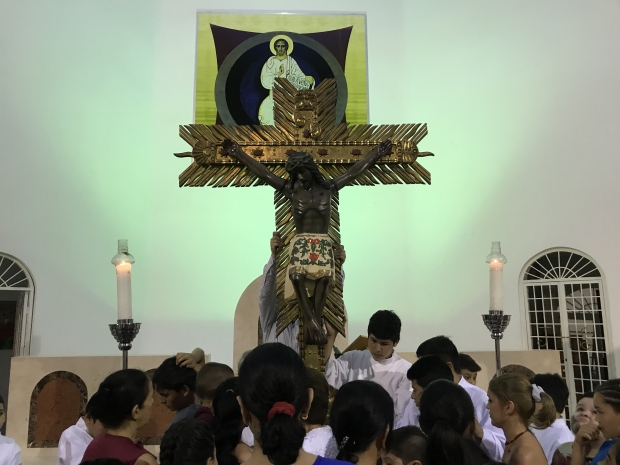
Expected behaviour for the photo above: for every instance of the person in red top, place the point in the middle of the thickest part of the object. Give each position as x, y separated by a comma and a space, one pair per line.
124, 404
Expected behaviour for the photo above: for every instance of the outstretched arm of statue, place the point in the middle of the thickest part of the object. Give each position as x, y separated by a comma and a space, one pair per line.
256, 167
361, 166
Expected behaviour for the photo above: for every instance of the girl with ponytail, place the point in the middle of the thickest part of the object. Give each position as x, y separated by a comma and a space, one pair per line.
512, 403
123, 404
448, 419
188, 442
361, 418
228, 424
274, 396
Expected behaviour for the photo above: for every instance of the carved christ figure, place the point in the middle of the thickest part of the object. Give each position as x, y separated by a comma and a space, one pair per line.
311, 265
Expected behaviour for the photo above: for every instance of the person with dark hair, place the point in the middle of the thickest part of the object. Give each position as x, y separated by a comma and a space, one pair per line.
10, 452
176, 386
585, 413
492, 438
123, 403
210, 376
274, 397
469, 368
448, 419
551, 436
423, 372
188, 442
405, 446
228, 424
319, 436
379, 362
607, 405
75, 439
512, 403
361, 418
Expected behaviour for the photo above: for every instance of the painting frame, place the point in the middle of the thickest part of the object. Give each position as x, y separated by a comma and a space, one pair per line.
312, 24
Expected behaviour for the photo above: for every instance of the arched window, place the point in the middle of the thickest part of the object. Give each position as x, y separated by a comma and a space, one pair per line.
563, 292
17, 295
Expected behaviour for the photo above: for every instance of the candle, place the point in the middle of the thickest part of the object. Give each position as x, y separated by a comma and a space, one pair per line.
496, 262
123, 261
123, 290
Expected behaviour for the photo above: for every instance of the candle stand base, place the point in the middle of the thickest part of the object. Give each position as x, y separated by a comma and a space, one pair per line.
497, 323
124, 331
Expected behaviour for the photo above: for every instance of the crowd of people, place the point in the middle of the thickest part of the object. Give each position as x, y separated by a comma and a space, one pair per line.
365, 407
277, 411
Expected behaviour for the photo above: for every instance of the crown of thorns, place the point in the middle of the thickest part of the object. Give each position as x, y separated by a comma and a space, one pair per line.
299, 160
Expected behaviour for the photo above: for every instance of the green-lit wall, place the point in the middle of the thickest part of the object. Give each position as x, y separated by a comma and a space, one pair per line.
522, 103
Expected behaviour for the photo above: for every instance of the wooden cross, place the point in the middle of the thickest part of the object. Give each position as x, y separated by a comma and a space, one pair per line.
305, 121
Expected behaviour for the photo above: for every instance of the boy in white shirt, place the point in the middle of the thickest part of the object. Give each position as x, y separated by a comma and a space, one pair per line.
556, 434
75, 439
10, 452
491, 438
378, 363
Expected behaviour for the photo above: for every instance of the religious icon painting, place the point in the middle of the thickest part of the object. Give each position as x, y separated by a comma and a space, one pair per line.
239, 56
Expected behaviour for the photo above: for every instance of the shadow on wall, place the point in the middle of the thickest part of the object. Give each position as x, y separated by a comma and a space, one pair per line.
59, 399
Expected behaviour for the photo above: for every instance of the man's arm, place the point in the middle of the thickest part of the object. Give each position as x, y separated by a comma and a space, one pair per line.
256, 167
358, 168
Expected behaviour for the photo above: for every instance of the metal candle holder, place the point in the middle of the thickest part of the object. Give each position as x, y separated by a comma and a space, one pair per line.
124, 331
497, 322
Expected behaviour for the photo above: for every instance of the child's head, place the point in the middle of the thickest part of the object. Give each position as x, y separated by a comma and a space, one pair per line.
469, 368
405, 446
228, 423
383, 334
584, 413
94, 426
362, 415
424, 371
444, 348
210, 376
555, 387
175, 384
188, 442
607, 405
124, 396
513, 398
320, 403
447, 417
274, 395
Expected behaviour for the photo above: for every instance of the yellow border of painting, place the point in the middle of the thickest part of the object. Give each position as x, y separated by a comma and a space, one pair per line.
205, 111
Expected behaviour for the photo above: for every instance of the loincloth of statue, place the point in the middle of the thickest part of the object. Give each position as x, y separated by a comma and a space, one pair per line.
311, 255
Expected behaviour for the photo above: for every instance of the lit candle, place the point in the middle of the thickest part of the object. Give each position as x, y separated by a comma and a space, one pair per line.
123, 261
496, 289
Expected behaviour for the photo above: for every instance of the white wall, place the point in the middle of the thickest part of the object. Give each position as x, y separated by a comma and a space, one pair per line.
522, 105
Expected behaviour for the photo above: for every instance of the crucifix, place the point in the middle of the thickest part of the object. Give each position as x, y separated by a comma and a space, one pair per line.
307, 157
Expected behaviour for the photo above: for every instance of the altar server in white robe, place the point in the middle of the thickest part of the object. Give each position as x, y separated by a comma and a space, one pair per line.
552, 435
492, 438
10, 452
75, 439
378, 363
